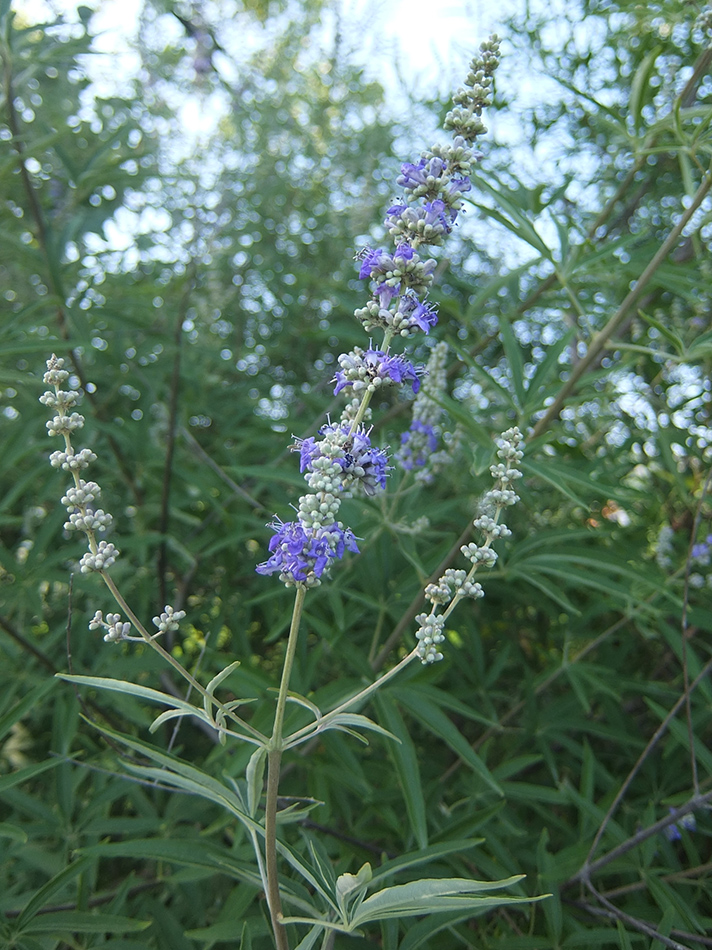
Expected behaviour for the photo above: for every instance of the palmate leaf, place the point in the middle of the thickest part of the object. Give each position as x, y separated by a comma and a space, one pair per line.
342, 722
177, 707
422, 856
424, 897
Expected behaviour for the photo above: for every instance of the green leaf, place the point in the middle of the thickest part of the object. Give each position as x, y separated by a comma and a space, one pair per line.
640, 92
52, 887
75, 921
213, 685
254, 775
29, 772
12, 832
433, 895
425, 855
513, 353
29, 702
432, 718
406, 762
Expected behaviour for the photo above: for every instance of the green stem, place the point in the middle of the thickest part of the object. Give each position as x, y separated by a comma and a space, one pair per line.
274, 760
258, 739
301, 735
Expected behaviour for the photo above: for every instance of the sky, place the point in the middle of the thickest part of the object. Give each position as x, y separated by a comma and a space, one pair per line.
420, 45
424, 37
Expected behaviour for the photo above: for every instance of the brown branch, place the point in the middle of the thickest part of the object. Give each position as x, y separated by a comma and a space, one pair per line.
23, 642
584, 874
162, 556
670, 878
97, 901
615, 914
658, 734
600, 339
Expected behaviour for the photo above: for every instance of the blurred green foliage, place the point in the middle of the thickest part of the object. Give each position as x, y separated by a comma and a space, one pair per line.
201, 296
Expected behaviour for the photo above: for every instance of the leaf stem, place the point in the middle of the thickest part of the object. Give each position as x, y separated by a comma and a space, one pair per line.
171, 660
307, 732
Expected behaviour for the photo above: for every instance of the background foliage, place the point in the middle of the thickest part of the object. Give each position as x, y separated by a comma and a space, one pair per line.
202, 296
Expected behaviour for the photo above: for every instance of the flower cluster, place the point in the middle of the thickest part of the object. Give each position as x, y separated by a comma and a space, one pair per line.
700, 573
81, 496
418, 451
362, 464
116, 629
454, 585
81, 499
673, 833
700, 562
343, 458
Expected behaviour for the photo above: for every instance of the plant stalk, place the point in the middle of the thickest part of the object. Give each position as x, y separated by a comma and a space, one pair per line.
274, 760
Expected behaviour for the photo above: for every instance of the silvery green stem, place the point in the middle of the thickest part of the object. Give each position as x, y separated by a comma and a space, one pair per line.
258, 739
387, 337
305, 733
275, 748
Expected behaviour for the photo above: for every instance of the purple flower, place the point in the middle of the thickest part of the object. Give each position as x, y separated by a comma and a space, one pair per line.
309, 450
365, 368
417, 314
424, 446
298, 551
459, 186
435, 214
396, 209
366, 463
370, 262
361, 462
672, 832
412, 176
376, 262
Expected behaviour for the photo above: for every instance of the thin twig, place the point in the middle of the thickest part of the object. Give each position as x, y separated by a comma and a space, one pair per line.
417, 601
670, 878
675, 814
23, 642
600, 339
97, 901
615, 915
211, 463
658, 734
161, 560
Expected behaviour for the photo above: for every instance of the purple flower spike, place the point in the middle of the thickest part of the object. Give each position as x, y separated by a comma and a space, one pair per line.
427, 445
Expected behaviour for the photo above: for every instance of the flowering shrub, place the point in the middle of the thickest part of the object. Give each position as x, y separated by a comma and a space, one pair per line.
342, 461
557, 727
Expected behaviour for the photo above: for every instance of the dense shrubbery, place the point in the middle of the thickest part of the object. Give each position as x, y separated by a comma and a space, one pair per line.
565, 734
